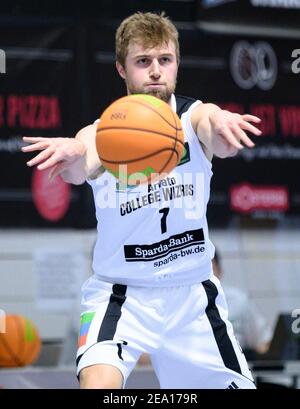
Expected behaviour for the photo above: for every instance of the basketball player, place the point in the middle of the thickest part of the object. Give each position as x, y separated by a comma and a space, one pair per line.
153, 289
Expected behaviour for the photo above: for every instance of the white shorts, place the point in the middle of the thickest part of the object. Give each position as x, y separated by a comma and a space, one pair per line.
184, 329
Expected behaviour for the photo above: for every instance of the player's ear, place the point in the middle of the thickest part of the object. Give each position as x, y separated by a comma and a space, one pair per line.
120, 70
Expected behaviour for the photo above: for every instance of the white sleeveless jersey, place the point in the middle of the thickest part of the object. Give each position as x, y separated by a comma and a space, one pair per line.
156, 234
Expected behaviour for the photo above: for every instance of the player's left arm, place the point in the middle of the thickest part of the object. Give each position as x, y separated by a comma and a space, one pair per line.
222, 133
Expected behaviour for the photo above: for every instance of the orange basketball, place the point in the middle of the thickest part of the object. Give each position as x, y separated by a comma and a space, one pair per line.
139, 138
20, 343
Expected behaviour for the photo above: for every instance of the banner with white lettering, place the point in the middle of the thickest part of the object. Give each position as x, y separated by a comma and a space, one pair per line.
259, 76
39, 96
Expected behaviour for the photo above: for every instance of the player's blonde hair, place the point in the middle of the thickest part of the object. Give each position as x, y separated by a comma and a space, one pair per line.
149, 29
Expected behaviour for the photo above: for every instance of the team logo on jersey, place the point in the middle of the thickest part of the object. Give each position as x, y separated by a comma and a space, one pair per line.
186, 157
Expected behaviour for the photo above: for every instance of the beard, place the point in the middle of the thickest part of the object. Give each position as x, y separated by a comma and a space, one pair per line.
163, 93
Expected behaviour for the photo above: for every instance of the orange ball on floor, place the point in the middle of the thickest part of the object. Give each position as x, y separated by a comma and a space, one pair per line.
20, 343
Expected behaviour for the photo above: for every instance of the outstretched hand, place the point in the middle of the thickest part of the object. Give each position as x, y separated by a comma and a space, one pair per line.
58, 153
229, 134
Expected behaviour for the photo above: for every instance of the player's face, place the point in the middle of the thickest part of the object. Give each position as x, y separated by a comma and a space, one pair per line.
150, 71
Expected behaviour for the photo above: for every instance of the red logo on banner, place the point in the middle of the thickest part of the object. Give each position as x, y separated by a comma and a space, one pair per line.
246, 198
51, 198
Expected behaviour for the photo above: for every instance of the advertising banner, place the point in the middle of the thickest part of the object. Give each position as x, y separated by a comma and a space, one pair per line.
39, 96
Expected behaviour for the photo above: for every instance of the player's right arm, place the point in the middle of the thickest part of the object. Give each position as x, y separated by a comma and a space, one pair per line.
75, 159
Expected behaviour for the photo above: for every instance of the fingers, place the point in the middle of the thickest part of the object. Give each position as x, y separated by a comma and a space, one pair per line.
251, 118
51, 173
51, 161
43, 158
236, 137
248, 127
39, 146
230, 138
242, 124
241, 136
44, 155
34, 139
57, 170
